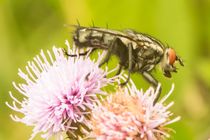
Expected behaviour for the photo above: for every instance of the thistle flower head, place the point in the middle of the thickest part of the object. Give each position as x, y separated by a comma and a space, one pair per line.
130, 114
59, 91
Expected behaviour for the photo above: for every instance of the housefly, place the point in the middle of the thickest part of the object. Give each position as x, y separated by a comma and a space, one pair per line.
137, 52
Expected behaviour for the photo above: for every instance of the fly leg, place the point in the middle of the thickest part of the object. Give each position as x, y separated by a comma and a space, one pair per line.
154, 83
130, 49
80, 54
119, 70
109, 52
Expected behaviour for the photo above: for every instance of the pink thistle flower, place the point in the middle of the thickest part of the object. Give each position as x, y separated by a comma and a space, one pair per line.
130, 115
59, 91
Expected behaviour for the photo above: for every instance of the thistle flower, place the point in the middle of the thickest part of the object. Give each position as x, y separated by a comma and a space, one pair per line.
59, 91
130, 115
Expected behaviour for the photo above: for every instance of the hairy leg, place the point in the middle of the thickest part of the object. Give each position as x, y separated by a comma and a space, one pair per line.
154, 83
130, 50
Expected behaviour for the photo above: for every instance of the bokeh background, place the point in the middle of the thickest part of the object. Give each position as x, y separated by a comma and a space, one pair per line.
27, 26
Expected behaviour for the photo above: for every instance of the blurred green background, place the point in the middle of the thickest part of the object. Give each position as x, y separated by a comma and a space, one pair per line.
27, 26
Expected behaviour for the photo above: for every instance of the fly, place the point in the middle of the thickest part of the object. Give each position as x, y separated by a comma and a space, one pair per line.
137, 52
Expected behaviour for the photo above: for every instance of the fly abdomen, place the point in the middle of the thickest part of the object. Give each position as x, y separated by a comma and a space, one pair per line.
89, 37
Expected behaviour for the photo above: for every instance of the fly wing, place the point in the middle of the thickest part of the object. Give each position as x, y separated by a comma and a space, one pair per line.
138, 36
148, 50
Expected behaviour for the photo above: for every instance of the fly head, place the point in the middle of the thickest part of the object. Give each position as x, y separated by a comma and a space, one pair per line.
168, 62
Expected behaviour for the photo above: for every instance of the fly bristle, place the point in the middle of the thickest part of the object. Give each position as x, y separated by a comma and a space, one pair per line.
107, 26
93, 25
78, 24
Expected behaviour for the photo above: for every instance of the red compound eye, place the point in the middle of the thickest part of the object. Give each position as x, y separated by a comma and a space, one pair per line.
171, 56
